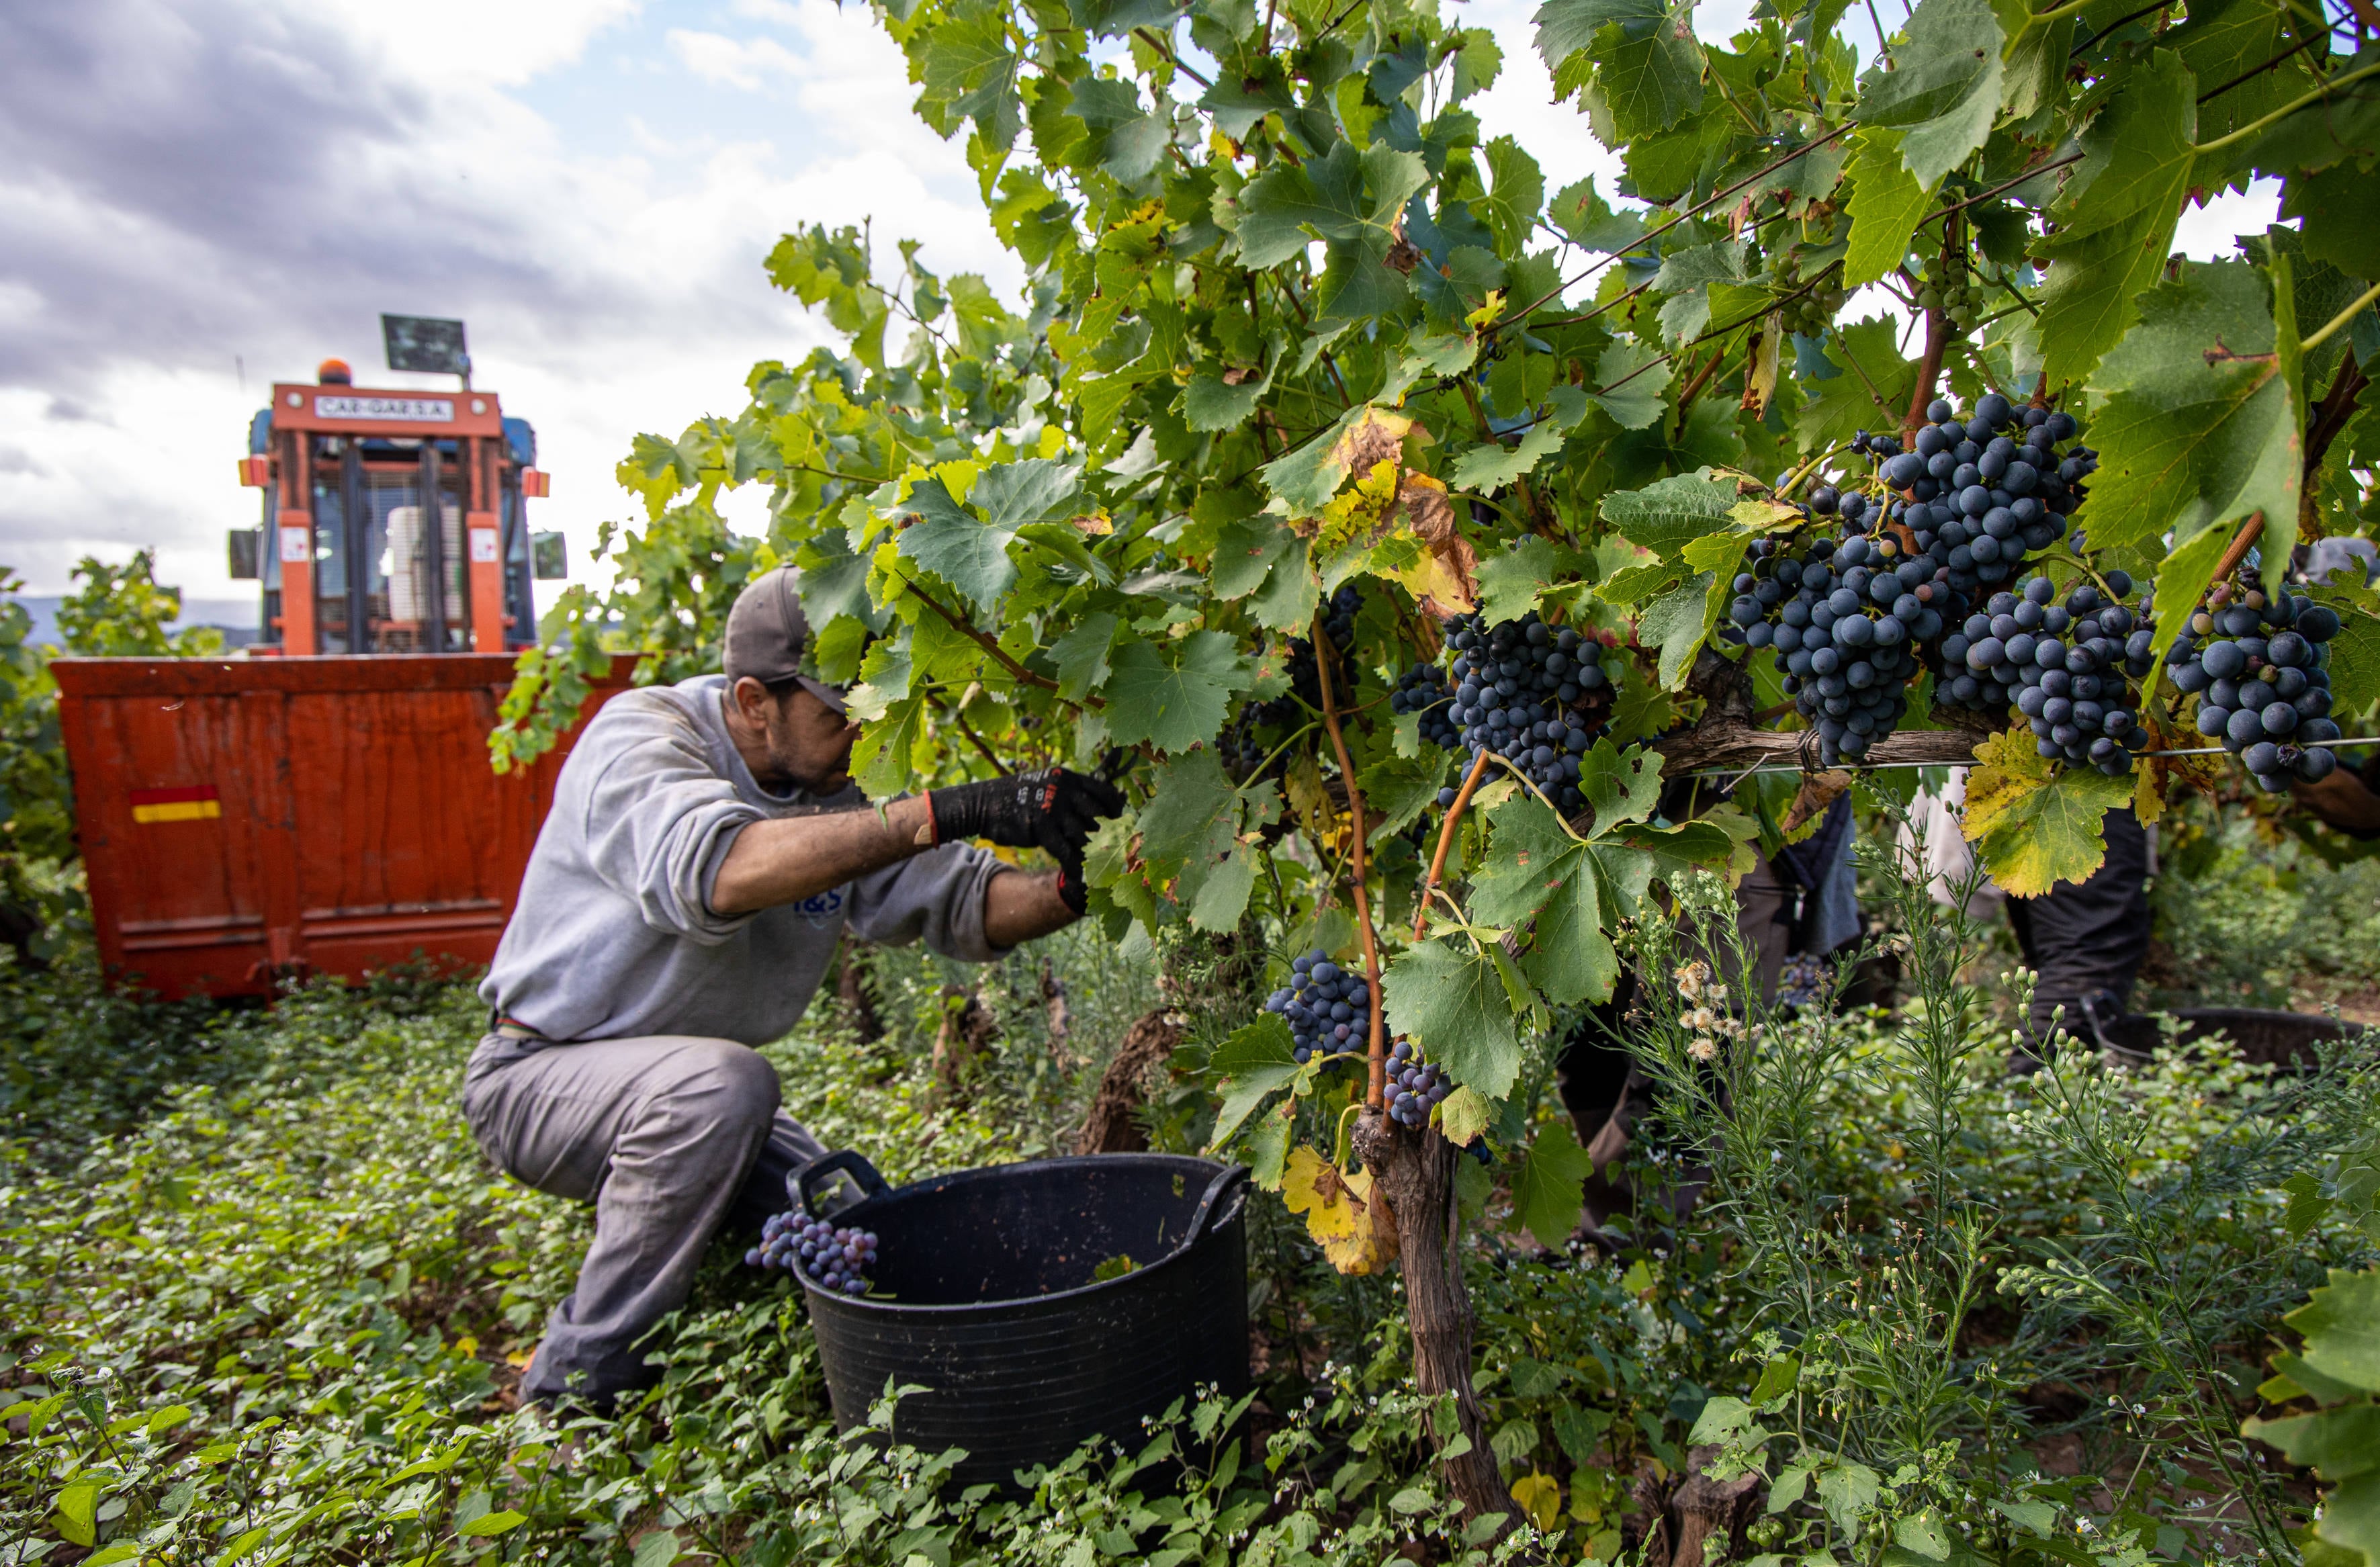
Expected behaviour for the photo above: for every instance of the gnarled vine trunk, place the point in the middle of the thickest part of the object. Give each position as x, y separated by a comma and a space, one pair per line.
1414, 1171
1112, 1125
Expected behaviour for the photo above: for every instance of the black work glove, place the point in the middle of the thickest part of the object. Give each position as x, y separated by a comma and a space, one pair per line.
1074, 892
1054, 810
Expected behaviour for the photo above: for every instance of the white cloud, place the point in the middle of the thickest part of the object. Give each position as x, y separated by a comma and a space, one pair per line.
733, 62
185, 188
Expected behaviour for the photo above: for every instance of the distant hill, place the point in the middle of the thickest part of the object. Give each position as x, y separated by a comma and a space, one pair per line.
237, 619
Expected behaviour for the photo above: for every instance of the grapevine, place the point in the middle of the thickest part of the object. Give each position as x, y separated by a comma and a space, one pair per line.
1306, 355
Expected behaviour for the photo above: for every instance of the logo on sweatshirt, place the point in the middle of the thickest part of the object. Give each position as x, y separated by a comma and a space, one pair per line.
822, 909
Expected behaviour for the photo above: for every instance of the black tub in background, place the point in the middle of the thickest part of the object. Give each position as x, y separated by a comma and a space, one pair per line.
994, 1310
2288, 1040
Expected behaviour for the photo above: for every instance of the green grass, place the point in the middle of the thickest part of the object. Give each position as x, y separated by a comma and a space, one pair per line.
261, 1300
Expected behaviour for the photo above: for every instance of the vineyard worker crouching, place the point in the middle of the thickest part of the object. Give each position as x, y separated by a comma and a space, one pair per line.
705, 853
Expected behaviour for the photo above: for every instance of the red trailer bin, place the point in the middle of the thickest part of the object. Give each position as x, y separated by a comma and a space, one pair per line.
244, 820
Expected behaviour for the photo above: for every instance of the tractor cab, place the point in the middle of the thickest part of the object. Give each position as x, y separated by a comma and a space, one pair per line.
394, 521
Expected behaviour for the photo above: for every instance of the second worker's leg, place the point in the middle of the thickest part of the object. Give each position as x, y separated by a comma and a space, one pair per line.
2089, 940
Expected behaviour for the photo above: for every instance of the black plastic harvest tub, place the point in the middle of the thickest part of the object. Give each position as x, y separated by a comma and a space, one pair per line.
995, 1312
2291, 1040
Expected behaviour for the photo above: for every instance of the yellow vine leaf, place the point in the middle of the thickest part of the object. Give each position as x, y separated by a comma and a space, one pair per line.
2031, 828
2007, 769
1354, 1229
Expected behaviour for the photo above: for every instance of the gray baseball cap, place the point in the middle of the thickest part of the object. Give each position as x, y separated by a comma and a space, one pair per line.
767, 635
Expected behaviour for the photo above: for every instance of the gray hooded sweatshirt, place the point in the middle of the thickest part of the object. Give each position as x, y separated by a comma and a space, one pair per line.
614, 936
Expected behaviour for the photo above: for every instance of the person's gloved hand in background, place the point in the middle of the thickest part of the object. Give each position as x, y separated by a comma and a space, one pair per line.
1055, 811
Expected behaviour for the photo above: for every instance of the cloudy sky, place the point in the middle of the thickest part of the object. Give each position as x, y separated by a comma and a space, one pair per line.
199, 198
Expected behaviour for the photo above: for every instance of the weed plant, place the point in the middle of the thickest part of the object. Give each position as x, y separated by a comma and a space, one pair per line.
261, 1300
2250, 916
1951, 1271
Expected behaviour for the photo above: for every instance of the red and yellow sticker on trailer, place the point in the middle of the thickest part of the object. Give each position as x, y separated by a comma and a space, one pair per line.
199, 803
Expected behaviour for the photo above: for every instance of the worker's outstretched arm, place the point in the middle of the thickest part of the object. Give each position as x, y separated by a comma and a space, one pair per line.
2343, 801
790, 858
1018, 906
786, 860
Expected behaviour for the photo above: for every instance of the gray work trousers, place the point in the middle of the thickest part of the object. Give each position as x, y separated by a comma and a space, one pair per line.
670, 1137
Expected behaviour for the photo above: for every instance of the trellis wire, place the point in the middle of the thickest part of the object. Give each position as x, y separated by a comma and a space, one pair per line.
1881, 766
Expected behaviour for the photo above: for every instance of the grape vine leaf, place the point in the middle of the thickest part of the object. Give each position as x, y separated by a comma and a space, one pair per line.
1518, 191
1287, 597
1551, 1186
1943, 90
1678, 621
969, 553
1665, 516
1364, 436
2033, 829
1213, 402
2354, 656
1173, 699
2340, 1369
1081, 655
1540, 872
2341, 1326
1250, 1065
1245, 553
1350, 200
1192, 817
1267, 1148
1886, 203
1512, 580
1720, 261
1642, 54
1646, 373
2114, 222
2226, 42
881, 762
1463, 1116
1590, 220
2196, 414
1453, 1003
1222, 895
2182, 577
1491, 467
1398, 791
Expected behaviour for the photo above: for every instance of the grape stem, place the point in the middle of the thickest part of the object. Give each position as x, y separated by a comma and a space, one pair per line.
2240, 542
1325, 650
1446, 840
2341, 318
967, 628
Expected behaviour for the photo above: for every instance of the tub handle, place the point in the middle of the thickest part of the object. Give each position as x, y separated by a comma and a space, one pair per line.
1211, 1206
804, 1182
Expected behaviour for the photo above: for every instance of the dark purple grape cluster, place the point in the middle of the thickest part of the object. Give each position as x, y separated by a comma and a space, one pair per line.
1416, 1087
1978, 494
1843, 619
1423, 689
1975, 496
2260, 669
2069, 666
1243, 746
831, 1258
1535, 693
1327, 1009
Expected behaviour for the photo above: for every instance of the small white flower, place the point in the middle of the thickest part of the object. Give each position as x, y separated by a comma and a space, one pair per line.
1702, 1048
